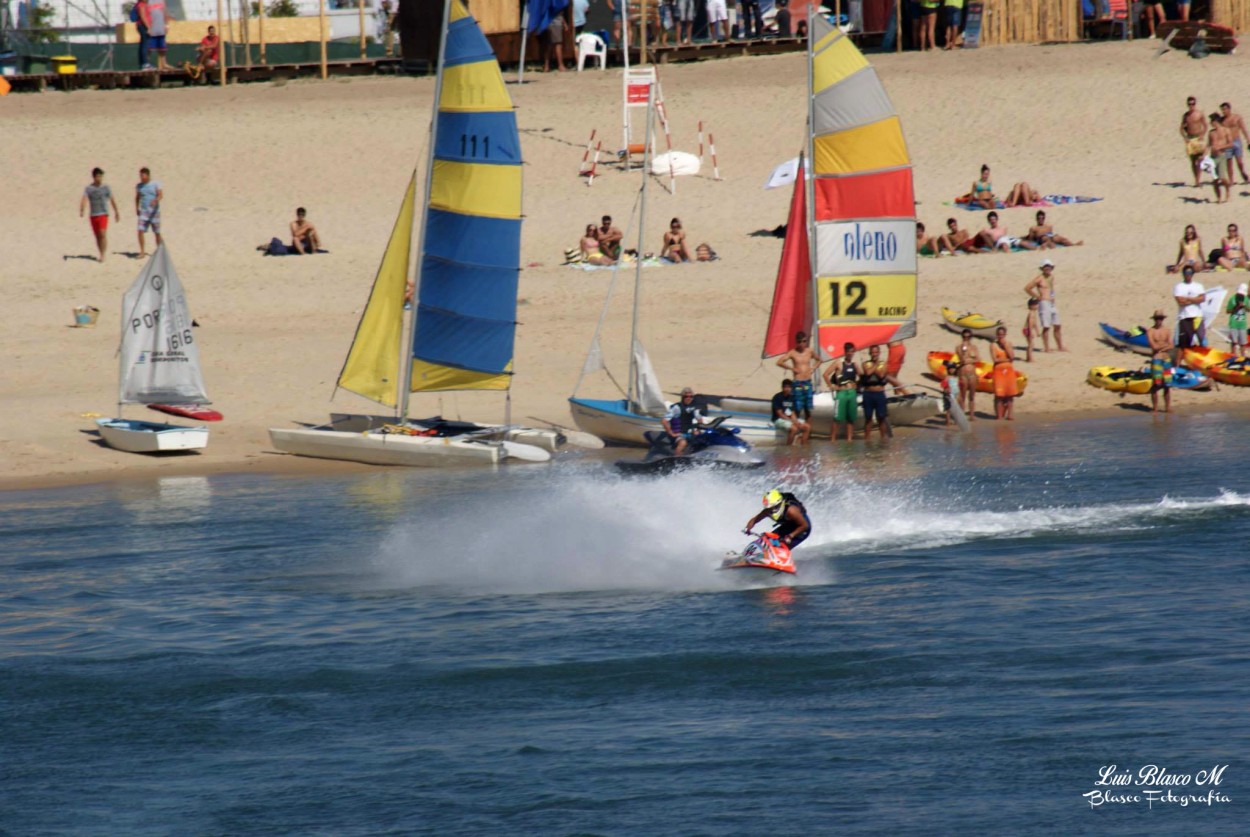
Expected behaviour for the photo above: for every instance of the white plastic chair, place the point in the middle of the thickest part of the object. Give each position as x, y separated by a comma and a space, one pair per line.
591, 46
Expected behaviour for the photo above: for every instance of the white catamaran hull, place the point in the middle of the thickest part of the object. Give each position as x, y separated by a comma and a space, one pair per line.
548, 440
135, 436
386, 448
903, 409
610, 421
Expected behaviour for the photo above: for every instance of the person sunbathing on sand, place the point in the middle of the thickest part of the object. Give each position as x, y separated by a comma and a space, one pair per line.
1045, 237
674, 246
1190, 252
995, 237
1232, 249
1022, 194
304, 238
591, 254
955, 239
926, 245
982, 192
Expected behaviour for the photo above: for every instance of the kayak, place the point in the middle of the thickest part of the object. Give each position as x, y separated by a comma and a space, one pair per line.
979, 325
1220, 366
1134, 340
985, 372
1139, 381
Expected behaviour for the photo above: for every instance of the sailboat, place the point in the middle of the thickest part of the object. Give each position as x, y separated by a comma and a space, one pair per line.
626, 421
159, 361
464, 322
862, 289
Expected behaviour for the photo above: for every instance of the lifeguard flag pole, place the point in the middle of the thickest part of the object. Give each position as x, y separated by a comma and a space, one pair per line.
321, 15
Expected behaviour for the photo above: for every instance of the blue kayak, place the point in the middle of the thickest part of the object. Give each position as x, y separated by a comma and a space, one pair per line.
1135, 340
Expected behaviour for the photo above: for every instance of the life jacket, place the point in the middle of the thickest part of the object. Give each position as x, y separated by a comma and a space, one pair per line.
847, 374
686, 419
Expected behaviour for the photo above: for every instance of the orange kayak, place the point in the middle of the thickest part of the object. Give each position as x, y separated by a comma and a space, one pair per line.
985, 372
1220, 366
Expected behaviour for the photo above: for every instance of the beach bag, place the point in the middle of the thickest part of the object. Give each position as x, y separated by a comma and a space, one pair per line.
573, 255
134, 12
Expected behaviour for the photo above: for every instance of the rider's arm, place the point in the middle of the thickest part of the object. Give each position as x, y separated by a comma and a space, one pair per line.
751, 524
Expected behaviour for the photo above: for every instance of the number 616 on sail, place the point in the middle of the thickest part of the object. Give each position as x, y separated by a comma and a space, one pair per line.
869, 297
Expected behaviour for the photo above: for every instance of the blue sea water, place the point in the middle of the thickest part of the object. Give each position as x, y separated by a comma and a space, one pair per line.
981, 626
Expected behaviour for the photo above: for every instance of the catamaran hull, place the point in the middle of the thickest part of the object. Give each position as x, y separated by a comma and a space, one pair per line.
548, 440
903, 409
386, 448
135, 436
612, 422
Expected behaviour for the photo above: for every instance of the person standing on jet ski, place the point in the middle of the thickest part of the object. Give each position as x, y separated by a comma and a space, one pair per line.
682, 421
793, 524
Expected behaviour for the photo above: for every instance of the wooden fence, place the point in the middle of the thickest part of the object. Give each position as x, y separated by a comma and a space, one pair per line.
1234, 14
1031, 21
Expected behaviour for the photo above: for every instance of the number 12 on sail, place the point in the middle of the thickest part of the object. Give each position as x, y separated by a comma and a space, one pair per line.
868, 297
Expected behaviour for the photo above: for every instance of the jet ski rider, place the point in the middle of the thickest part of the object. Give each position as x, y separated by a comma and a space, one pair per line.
793, 524
682, 421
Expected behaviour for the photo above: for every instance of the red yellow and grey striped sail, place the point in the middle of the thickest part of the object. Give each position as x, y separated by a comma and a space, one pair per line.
864, 213
471, 244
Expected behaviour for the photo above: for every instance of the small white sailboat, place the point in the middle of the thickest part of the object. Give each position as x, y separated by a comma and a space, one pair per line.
464, 322
159, 361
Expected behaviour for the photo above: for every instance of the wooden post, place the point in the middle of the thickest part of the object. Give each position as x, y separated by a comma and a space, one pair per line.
642, 33
321, 16
261, 34
221, 49
898, 25
361, 4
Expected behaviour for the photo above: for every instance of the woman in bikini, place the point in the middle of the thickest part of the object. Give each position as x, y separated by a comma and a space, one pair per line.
1006, 386
1190, 252
966, 356
674, 248
591, 253
1234, 249
982, 192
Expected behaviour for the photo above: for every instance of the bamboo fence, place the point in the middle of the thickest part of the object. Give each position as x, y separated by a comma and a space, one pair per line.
1031, 21
1235, 14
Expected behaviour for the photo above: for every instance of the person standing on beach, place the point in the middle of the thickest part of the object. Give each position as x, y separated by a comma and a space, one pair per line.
158, 20
966, 355
148, 197
1006, 385
1032, 325
1042, 288
843, 378
1220, 147
1236, 127
1194, 132
141, 18
1189, 295
98, 196
802, 362
1160, 338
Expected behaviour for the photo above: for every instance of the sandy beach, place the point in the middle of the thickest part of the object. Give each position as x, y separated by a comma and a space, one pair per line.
1086, 119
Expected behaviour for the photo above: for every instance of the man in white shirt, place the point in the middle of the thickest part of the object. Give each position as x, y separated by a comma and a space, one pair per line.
1189, 295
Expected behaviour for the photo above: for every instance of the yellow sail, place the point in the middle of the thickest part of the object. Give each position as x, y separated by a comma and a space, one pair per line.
372, 368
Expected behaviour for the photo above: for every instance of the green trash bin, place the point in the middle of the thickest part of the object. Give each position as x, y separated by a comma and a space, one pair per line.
35, 64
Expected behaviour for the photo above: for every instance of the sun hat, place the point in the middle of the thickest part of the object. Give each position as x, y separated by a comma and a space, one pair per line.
1047, 263
1159, 315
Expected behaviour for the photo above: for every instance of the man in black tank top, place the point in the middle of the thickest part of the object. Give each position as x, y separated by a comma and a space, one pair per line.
793, 524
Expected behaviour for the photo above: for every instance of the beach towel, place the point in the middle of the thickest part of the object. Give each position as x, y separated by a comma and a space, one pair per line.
1047, 200
627, 262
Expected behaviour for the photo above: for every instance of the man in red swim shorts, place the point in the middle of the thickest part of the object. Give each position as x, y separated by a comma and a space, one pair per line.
98, 196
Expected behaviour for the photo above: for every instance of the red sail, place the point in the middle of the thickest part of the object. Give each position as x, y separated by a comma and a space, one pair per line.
791, 310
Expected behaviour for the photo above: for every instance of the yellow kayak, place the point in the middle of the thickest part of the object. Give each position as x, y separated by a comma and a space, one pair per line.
1118, 379
979, 325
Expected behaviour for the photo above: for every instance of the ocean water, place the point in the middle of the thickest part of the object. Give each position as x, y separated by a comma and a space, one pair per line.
981, 627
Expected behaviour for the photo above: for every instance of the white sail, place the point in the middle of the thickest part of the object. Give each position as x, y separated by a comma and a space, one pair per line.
160, 362
646, 384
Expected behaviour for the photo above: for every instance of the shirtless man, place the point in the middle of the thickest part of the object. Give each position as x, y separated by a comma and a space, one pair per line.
1237, 129
995, 237
1220, 147
304, 236
609, 238
926, 245
966, 355
1045, 237
802, 363
1161, 376
954, 238
1042, 288
1194, 131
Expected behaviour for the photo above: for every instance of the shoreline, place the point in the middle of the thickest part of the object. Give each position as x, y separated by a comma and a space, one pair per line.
275, 464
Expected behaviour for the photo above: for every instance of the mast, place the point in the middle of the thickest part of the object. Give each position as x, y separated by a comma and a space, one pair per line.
642, 226
405, 343
807, 169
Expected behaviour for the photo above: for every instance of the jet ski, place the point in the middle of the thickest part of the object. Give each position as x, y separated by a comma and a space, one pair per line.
714, 446
764, 556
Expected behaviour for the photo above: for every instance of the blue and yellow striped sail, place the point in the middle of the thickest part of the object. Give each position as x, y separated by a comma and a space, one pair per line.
471, 245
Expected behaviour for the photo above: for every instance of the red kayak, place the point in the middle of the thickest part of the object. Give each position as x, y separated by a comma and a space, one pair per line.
191, 411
